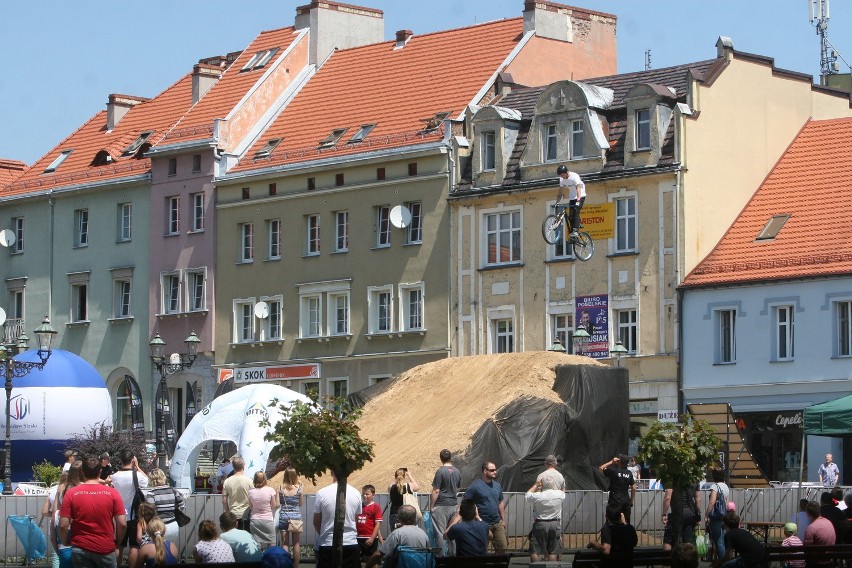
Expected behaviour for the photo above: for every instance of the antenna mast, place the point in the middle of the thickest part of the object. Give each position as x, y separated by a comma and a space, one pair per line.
647, 59
819, 13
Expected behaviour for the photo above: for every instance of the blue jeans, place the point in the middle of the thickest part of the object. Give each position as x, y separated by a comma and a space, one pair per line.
85, 559
717, 535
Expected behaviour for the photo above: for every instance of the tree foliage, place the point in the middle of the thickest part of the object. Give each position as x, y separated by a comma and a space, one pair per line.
102, 437
46, 472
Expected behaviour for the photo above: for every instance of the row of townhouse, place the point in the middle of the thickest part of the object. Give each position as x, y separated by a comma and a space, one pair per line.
328, 214
239, 203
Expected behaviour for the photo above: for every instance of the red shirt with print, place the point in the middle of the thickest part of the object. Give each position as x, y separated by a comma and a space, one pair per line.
366, 521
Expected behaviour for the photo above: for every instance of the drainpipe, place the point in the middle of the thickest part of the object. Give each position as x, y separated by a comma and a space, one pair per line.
52, 202
451, 179
680, 401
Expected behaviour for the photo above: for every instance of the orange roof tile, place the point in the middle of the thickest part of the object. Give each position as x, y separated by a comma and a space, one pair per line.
812, 182
157, 115
229, 89
10, 170
392, 88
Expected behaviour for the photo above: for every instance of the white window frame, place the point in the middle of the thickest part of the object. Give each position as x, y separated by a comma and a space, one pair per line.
561, 328
246, 243
273, 230
243, 312
81, 228
626, 223
122, 298
562, 249
341, 231
489, 150
549, 142
271, 327
79, 302
333, 381
415, 228
843, 318
642, 117
514, 232
310, 316
193, 277
383, 226
173, 215
314, 297
125, 222
312, 226
380, 315
18, 228
17, 303
784, 322
334, 314
725, 335
626, 324
504, 339
495, 336
577, 139
170, 286
412, 320
197, 201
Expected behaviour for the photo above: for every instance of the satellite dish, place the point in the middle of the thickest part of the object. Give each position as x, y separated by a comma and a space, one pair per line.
2, 316
261, 310
7, 238
400, 217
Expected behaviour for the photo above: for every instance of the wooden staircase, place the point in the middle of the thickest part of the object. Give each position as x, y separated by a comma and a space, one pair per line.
743, 471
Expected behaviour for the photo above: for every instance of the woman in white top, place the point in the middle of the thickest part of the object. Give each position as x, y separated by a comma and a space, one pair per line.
718, 491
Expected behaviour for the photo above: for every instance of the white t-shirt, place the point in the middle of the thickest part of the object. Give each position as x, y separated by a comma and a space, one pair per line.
324, 505
122, 480
575, 185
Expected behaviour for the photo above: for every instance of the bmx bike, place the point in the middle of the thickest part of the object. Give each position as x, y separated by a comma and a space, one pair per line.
580, 241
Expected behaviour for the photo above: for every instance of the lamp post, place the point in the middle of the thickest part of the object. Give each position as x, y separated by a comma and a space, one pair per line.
618, 350
580, 338
556, 346
13, 369
175, 364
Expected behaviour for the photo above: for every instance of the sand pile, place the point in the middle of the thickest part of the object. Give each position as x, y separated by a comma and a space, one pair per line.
441, 405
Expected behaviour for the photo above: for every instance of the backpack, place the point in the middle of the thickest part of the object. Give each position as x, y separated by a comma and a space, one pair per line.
721, 505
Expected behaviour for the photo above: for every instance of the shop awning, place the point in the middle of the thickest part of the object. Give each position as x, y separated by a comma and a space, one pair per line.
832, 418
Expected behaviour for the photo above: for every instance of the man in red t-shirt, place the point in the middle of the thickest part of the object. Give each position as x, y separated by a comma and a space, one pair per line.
369, 523
97, 512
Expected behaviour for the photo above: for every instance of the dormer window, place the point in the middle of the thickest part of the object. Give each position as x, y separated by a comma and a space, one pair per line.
770, 231
259, 59
130, 150
434, 122
332, 138
58, 161
361, 134
576, 139
549, 142
102, 158
489, 160
643, 129
267, 148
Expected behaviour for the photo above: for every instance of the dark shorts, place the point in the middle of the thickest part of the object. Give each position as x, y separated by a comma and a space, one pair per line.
688, 532
367, 551
546, 537
351, 556
129, 539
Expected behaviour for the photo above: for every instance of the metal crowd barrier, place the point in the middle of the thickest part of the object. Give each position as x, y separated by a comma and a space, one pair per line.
582, 515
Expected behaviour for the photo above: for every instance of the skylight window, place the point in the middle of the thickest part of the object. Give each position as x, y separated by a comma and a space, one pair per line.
332, 138
361, 133
259, 59
267, 148
58, 161
264, 59
130, 150
433, 122
773, 226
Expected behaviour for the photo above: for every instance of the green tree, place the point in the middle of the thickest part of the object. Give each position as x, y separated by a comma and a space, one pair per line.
680, 453
317, 438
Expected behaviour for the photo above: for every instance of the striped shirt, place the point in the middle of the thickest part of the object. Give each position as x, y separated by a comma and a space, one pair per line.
163, 498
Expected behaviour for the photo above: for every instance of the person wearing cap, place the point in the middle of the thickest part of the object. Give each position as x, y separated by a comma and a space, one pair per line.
622, 486
550, 478
576, 198
70, 456
791, 539
106, 469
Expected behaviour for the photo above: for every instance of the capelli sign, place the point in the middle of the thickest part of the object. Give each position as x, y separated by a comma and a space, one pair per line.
786, 420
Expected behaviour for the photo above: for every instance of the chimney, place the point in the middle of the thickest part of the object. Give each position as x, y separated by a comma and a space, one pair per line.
118, 105
724, 47
204, 76
402, 37
549, 19
334, 25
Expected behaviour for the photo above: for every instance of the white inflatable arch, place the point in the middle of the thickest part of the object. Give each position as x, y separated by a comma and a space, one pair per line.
234, 417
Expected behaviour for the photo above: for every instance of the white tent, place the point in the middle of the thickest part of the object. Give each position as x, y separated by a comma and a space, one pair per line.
234, 417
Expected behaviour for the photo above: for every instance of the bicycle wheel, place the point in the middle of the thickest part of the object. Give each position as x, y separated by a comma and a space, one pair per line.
551, 229
584, 246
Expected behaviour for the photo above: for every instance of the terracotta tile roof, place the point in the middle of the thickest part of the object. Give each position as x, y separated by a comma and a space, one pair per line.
223, 96
10, 170
392, 88
812, 182
155, 115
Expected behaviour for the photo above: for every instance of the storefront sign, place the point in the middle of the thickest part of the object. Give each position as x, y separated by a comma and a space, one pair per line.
787, 420
667, 415
277, 373
643, 407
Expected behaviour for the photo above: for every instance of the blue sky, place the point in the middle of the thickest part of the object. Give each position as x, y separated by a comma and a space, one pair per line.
62, 59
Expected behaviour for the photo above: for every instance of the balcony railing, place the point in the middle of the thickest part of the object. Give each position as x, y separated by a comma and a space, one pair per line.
12, 330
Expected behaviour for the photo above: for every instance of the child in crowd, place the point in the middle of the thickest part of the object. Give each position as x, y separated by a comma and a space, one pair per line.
790, 539
618, 538
369, 523
144, 514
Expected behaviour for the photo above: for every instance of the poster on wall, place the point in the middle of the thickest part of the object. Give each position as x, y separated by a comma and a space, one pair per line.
591, 312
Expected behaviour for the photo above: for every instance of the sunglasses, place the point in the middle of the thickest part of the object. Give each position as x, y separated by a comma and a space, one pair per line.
491, 469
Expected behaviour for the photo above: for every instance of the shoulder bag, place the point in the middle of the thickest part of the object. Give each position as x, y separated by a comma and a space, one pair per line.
181, 518
410, 498
138, 498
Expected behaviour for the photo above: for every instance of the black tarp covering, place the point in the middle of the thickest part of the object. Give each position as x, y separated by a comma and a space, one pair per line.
360, 398
588, 429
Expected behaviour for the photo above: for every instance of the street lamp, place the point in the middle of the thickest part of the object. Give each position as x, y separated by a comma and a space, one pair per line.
580, 338
618, 350
557, 346
175, 364
13, 369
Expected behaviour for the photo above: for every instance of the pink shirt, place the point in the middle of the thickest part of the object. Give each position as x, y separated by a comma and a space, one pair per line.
793, 540
261, 501
820, 531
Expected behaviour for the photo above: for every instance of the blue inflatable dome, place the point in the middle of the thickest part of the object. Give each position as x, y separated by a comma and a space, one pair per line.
50, 406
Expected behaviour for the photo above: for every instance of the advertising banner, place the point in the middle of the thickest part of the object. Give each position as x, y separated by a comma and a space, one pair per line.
592, 313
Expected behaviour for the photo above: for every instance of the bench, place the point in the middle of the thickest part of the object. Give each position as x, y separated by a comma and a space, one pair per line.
642, 556
810, 553
491, 561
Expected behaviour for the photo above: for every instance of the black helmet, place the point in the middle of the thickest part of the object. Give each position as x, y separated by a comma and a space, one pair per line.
561, 170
